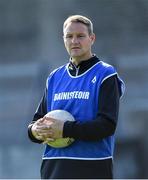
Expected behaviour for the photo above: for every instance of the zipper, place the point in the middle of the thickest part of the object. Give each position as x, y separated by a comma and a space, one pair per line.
77, 70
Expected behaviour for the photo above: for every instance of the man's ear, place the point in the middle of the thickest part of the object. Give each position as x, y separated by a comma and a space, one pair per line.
93, 38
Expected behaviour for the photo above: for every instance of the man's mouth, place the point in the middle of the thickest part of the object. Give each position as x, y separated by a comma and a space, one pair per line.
75, 48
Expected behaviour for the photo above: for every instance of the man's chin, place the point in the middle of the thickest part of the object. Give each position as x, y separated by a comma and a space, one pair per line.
75, 55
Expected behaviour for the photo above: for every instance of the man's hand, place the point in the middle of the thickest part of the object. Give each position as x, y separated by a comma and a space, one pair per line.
41, 130
55, 127
47, 129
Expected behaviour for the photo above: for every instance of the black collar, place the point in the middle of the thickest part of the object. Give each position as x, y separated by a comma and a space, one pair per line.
83, 66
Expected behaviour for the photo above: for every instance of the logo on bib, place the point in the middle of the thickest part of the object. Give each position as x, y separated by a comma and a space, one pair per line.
71, 95
94, 80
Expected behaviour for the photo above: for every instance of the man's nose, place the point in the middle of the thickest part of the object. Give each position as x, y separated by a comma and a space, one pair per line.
75, 40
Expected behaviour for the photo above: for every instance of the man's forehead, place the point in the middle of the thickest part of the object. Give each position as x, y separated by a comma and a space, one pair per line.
72, 27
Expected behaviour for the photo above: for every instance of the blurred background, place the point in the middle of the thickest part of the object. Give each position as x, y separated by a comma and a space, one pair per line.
31, 46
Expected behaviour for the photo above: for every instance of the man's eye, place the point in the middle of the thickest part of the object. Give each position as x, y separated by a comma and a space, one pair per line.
81, 36
68, 36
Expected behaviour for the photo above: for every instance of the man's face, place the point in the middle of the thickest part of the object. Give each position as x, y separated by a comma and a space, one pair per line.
78, 41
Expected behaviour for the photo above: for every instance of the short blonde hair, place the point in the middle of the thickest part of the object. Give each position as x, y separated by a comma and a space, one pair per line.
79, 19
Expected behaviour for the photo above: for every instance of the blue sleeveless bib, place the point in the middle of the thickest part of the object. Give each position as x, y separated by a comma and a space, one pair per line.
79, 96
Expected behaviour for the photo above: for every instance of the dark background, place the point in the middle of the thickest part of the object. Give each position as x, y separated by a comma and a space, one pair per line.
31, 45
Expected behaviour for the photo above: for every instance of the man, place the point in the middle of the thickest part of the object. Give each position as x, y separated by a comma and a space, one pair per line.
91, 154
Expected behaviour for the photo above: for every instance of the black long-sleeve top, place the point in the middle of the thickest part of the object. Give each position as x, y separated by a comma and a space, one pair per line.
105, 123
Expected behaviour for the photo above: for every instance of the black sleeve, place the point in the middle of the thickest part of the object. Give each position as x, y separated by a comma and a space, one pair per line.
40, 112
105, 123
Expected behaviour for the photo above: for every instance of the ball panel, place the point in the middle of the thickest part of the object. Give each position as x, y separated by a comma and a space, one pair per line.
61, 115
61, 142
